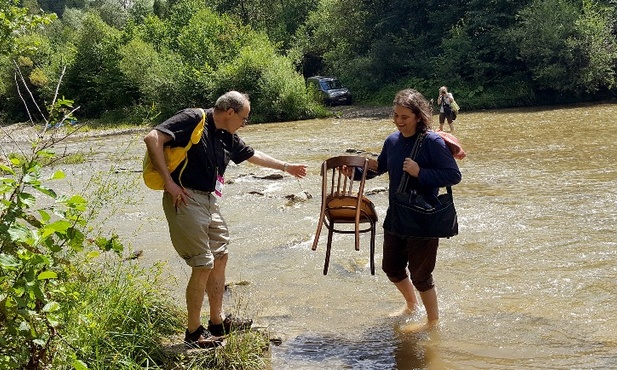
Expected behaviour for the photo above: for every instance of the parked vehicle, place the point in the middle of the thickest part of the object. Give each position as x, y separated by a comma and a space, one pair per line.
330, 89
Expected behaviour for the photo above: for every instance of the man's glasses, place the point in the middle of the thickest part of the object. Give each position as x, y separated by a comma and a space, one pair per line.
245, 120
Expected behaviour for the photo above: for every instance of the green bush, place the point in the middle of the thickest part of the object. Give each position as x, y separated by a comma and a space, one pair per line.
277, 92
158, 75
38, 238
95, 77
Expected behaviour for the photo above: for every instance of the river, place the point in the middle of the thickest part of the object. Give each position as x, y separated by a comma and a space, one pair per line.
529, 282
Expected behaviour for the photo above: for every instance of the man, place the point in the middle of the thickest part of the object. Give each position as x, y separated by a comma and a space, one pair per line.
198, 231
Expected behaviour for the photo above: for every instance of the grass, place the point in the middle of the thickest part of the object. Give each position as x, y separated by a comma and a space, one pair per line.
75, 158
118, 314
121, 314
243, 350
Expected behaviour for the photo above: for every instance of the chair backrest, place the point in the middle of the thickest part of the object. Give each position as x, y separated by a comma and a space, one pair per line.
340, 184
343, 197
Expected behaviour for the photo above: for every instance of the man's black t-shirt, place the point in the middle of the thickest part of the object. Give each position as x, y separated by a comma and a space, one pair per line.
207, 158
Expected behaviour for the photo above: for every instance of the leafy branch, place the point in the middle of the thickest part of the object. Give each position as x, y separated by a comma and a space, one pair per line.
37, 242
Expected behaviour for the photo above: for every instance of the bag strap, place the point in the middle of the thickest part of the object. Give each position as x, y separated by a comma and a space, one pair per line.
195, 137
199, 129
414, 152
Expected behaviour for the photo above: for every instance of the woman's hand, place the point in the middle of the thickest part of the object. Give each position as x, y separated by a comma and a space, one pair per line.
347, 171
411, 167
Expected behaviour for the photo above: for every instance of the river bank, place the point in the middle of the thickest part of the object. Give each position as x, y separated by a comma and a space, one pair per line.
25, 132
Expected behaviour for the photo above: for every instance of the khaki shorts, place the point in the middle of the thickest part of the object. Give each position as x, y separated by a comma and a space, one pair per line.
198, 231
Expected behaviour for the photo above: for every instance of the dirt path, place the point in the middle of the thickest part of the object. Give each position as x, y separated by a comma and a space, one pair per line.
356, 111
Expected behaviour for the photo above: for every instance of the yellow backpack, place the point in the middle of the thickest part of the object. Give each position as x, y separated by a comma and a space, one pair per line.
173, 158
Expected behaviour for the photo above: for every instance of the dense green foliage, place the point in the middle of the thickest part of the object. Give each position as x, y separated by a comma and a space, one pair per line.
125, 62
67, 301
142, 59
491, 54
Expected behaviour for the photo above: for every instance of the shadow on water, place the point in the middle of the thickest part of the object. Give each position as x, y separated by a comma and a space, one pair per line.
379, 347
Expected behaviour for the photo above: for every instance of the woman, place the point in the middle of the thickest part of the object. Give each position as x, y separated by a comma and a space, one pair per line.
433, 167
444, 100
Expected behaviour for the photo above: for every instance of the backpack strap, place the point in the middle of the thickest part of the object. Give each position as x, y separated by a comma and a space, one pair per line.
199, 129
195, 137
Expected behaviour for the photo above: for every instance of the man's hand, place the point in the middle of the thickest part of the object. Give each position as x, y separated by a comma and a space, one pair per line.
178, 193
298, 170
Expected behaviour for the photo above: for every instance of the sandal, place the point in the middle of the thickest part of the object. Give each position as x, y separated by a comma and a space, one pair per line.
231, 323
202, 338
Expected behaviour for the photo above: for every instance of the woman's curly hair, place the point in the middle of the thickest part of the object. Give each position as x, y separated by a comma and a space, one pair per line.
414, 101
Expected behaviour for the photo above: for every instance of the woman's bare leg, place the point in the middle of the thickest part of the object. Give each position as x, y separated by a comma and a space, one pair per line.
411, 301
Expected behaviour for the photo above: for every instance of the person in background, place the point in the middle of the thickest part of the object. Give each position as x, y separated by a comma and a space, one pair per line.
444, 100
197, 229
409, 262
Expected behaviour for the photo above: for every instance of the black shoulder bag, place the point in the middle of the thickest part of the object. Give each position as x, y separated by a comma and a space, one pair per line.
420, 215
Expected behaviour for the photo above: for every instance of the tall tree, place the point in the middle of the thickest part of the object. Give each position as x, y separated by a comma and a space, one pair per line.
278, 18
565, 47
594, 48
16, 21
95, 78
486, 23
17, 37
53, 6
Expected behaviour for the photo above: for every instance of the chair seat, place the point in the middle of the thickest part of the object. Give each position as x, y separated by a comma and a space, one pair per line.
343, 209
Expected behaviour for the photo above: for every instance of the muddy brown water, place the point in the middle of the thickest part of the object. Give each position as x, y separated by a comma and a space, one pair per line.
530, 281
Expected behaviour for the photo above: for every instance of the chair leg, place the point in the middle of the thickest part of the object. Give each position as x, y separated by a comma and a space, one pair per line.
328, 248
318, 232
372, 249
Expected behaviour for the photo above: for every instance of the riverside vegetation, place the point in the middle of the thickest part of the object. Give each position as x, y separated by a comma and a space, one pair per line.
68, 299
139, 61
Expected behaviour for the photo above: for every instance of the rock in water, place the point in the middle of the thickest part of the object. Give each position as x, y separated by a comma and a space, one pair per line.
299, 197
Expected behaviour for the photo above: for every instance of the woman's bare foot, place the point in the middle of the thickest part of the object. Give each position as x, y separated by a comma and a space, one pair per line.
404, 311
415, 327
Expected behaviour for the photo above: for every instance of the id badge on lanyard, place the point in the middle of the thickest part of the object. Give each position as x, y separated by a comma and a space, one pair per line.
218, 188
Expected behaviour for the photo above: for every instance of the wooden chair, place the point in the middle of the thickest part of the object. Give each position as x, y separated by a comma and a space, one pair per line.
341, 204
